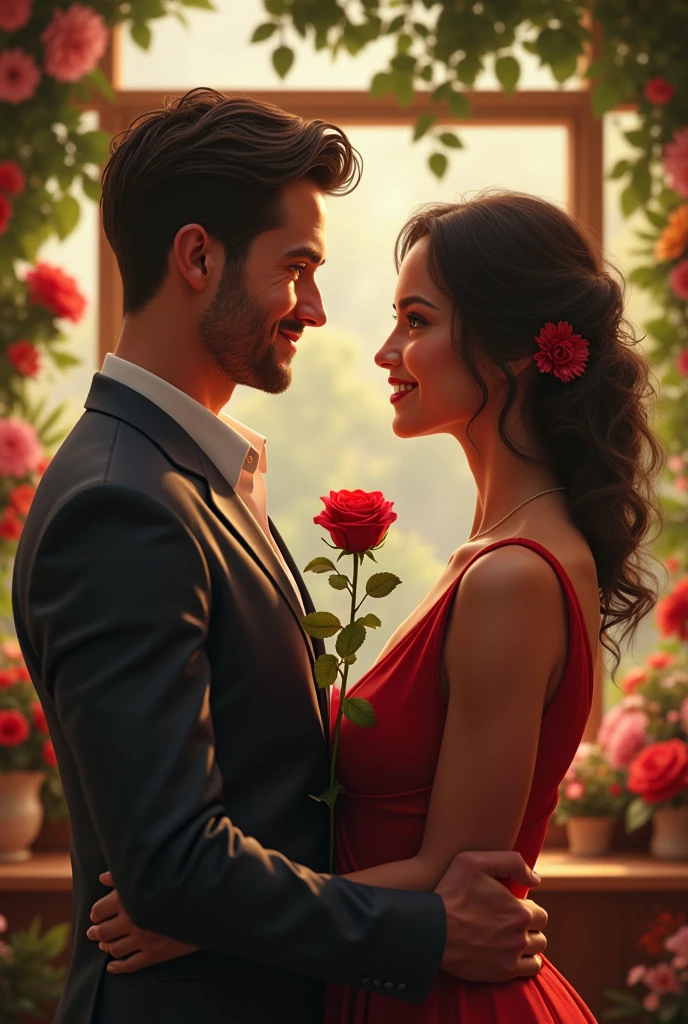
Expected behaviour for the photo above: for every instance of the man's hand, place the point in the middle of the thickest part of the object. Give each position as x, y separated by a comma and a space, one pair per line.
491, 935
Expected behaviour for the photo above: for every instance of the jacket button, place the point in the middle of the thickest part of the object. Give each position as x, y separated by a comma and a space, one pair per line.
401, 987
377, 983
365, 981
388, 986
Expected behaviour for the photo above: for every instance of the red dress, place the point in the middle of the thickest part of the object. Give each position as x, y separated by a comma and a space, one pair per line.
388, 772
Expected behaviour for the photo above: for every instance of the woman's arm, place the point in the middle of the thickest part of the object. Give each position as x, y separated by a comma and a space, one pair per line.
504, 641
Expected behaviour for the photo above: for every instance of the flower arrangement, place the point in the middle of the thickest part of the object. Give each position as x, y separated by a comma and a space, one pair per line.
591, 788
358, 522
660, 990
28, 978
25, 743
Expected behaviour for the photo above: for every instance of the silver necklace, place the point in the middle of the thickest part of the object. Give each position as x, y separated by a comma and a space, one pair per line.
504, 518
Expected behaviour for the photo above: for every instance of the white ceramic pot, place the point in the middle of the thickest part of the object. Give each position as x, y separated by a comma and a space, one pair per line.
21, 814
590, 837
670, 833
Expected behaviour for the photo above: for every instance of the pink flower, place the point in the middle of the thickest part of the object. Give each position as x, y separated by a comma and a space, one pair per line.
14, 14
672, 563
626, 739
5, 214
3, 924
574, 790
19, 76
663, 979
74, 41
678, 944
634, 678
678, 278
673, 716
651, 1001
675, 462
684, 714
681, 483
635, 975
682, 362
676, 161
562, 352
20, 449
12, 651
12, 180
660, 659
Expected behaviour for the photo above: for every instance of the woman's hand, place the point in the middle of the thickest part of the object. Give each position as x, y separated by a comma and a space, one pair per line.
116, 934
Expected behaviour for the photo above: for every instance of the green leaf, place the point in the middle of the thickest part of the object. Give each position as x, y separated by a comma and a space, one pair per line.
66, 212
451, 140
636, 138
438, 164
338, 582
630, 201
100, 82
263, 32
638, 813
204, 5
91, 187
276, 7
326, 670
381, 584
320, 565
620, 168
382, 83
508, 72
93, 147
371, 621
63, 360
142, 36
458, 104
642, 180
662, 330
321, 624
369, 554
424, 122
396, 23
282, 60
605, 97
403, 87
657, 220
359, 711
350, 639
329, 796
55, 940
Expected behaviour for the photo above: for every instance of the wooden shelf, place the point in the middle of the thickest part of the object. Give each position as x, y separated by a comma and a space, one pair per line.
621, 872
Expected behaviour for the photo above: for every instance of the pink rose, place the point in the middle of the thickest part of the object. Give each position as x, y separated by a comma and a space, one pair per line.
74, 41
20, 449
574, 790
684, 714
662, 979
678, 278
676, 161
651, 1001
19, 76
678, 944
628, 737
672, 563
635, 975
14, 14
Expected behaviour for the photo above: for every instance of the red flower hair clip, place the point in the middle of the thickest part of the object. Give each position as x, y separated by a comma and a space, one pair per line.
562, 352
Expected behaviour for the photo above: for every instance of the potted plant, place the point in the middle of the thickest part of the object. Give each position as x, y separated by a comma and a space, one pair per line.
591, 796
660, 989
28, 979
26, 752
650, 728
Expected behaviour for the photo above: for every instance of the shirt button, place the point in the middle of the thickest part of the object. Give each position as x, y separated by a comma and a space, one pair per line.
388, 986
401, 987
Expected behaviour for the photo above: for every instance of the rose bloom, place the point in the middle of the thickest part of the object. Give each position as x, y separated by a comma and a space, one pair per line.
660, 659
674, 238
678, 944
659, 91
682, 362
634, 678
672, 612
663, 979
14, 728
38, 715
562, 352
22, 673
56, 291
651, 1002
635, 975
49, 754
678, 279
11, 525
24, 357
628, 737
12, 180
7, 677
74, 41
574, 790
660, 771
14, 14
5, 214
21, 498
672, 563
19, 76
676, 161
356, 520
20, 448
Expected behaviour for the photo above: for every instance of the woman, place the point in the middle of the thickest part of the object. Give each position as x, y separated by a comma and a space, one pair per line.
510, 338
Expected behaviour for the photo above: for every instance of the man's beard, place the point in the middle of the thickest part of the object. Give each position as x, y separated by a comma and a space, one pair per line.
235, 333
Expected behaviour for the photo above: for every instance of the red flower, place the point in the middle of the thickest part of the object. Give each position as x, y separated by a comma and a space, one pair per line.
8, 677
357, 520
562, 352
634, 678
615, 789
652, 941
39, 717
5, 214
22, 673
24, 358
14, 728
21, 498
672, 563
49, 754
672, 612
659, 91
660, 771
42, 466
56, 291
660, 659
11, 525
12, 180
682, 362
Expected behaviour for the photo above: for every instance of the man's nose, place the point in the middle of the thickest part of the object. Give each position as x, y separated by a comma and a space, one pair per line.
310, 309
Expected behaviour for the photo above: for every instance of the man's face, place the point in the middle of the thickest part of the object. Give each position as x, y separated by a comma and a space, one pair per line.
259, 312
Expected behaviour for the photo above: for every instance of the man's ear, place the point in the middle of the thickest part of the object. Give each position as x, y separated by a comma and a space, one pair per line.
196, 256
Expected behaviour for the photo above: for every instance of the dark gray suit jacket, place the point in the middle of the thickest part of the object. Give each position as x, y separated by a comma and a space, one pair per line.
163, 638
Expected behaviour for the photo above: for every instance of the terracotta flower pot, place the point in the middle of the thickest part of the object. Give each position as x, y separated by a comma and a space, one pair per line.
21, 814
670, 833
590, 837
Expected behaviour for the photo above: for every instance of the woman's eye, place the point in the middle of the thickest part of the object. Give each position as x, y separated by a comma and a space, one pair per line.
413, 321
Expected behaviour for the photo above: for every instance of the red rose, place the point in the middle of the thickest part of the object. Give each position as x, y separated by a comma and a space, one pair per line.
660, 771
24, 358
672, 612
5, 214
14, 728
8, 677
11, 525
357, 520
615, 789
22, 674
49, 754
42, 466
659, 91
56, 291
21, 498
12, 180
39, 717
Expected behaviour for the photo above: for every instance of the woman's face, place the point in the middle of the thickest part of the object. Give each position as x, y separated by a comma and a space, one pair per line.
437, 395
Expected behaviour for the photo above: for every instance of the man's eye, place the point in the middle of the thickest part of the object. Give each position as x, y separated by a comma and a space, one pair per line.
297, 268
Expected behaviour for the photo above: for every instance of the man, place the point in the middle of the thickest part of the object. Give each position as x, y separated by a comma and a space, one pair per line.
158, 612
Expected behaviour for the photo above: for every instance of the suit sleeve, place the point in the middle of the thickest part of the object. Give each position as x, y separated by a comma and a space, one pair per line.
118, 611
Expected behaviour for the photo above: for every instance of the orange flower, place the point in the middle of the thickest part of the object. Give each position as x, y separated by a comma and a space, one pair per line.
673, 240
21, 498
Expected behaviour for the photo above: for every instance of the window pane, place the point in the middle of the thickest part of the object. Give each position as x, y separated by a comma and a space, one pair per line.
215, 50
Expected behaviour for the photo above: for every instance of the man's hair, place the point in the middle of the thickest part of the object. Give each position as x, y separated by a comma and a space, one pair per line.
213, 160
